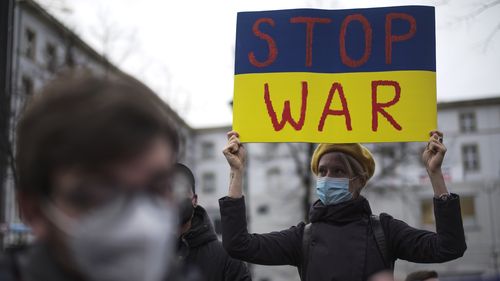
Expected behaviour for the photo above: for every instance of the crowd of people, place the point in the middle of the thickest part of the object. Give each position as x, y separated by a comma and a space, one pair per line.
101, 188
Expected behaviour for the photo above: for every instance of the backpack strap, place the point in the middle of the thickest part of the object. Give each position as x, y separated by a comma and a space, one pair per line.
379, 235
306, 244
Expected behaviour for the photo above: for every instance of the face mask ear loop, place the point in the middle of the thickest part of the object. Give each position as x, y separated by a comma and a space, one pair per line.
358, 176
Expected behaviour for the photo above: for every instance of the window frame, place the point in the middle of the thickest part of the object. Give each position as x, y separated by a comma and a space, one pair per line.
204, 180
51, 60
464, 127
27, 80
465, 161
427, 219
207, 150
29, 49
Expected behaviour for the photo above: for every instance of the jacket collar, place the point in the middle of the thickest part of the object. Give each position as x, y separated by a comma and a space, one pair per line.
341, 213
202, 230
39, 263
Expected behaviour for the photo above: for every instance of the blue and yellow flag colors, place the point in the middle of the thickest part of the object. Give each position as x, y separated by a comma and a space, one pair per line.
359, 75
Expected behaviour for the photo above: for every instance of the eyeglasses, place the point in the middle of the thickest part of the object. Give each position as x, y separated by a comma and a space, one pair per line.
88, 195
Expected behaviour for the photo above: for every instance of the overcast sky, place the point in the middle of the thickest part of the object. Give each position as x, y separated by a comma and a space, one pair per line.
184, 50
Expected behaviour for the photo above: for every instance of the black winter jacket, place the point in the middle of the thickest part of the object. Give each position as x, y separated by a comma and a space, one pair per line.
37, 262
201, 249
32, 263
342, 245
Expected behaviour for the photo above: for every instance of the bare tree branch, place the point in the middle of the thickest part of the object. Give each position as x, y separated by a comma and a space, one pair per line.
480, 10
57, 5
294, 152
116, 44
466, 18
400, 157
490, 37
475, 13
303, 172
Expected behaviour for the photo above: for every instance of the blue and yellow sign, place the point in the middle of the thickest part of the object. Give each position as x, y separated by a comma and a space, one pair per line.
359, 75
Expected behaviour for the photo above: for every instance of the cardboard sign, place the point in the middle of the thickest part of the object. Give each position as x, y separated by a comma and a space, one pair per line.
335, 76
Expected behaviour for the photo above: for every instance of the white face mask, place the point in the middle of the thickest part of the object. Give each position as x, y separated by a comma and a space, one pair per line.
129, 239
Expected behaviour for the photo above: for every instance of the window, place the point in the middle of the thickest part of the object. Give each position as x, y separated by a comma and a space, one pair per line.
427, 212
30, 41
69, 58
214, 215
470, 157
207, 150
467, 206
208, 183
26, 89
27, 86
263, 209
467, 121
51, 57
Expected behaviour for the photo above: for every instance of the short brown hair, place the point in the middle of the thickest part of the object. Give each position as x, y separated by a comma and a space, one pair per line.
86, 121
421, 275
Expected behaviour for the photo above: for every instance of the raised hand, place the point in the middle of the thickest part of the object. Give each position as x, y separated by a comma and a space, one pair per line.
434, 152
234, 152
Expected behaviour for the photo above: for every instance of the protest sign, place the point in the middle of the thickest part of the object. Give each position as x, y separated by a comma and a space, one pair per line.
358, 75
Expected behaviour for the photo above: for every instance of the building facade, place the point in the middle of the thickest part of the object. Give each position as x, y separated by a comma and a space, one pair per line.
42, 47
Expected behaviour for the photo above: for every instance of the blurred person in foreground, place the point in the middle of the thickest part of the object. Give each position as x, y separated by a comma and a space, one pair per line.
344, 240
424, 275
198, 245
93, 160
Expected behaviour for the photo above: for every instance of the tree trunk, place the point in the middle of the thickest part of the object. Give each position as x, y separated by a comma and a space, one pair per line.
307, 182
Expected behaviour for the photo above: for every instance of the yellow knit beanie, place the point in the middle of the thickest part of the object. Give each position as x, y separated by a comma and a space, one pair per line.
356, 150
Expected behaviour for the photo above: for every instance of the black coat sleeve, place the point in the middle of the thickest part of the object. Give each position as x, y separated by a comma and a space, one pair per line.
236, 270
414, 245
275, 248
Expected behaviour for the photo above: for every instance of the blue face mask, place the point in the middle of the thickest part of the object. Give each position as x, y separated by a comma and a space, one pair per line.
333, 190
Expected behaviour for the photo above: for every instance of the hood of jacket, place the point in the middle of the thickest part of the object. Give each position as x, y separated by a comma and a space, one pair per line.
202, 230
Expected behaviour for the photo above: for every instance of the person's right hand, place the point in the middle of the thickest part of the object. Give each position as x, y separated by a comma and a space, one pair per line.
234, 151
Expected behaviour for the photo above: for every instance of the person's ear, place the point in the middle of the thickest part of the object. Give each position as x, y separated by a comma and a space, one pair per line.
32, 214
195, 200
358, 184
363, 180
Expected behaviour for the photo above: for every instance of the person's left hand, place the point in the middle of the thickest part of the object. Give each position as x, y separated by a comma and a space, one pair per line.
434, 152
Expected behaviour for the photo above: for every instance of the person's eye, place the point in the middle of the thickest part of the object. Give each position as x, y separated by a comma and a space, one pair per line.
161, 188
79, 200
339, 172
321, 171
82, 199
161, 183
